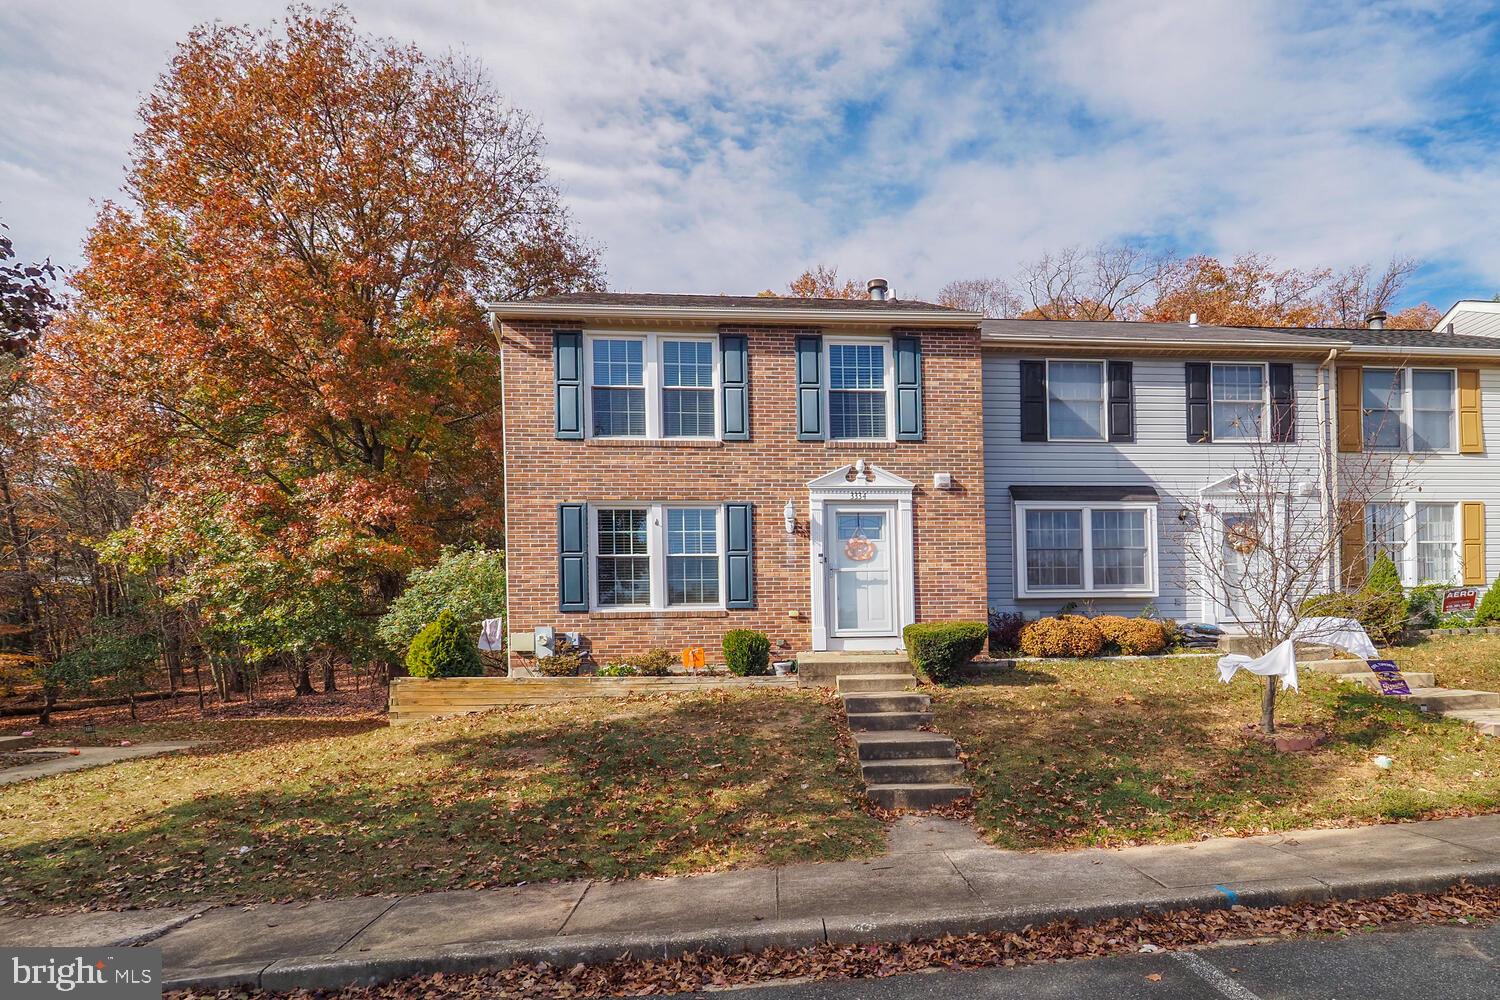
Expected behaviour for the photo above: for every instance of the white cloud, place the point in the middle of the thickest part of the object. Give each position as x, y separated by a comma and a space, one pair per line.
723, 147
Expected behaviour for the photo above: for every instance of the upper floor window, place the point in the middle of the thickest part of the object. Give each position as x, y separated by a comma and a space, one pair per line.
1075, 400
1421, 419
1239, 402
652, 386
859, 396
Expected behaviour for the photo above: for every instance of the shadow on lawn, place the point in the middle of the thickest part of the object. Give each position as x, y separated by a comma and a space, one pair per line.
667, 789
1082, 768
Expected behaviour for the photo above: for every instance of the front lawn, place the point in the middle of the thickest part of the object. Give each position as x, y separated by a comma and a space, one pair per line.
1466, 662
1069, 754
296, 808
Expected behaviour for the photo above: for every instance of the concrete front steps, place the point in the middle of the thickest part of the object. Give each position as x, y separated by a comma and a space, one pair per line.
904, 765
1480, 709
826, 668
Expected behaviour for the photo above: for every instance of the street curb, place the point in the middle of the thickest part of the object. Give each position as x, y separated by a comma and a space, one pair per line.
369, 969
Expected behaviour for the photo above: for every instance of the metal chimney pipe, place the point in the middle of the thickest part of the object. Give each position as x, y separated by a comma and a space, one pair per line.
1376, 320
878, 289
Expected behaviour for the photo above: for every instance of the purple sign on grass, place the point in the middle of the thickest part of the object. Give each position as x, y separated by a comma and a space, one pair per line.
1389, 676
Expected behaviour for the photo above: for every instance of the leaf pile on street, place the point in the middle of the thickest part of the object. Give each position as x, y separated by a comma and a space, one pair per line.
1053, 942
298, 808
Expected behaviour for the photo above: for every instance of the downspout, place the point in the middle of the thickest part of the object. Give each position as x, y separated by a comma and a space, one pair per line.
1327, 439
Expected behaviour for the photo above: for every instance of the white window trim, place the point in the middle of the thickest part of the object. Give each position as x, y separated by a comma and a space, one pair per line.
656, 556
1023, 590
1409, 562
651, 379
1103, 401
1408, 409
1265, 402
889, 354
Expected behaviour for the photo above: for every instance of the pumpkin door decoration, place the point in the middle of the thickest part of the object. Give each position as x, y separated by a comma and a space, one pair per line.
859, 548
1243, 536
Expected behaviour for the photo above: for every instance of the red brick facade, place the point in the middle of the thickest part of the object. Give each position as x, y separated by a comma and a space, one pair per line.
768, 470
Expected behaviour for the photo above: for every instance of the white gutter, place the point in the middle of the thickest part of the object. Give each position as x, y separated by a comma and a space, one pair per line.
736, 314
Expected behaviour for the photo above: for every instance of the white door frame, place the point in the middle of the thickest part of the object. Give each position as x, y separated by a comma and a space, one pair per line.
854, 486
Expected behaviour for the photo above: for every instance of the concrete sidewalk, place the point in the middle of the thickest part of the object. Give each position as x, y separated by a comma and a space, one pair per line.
78, 758
938, 879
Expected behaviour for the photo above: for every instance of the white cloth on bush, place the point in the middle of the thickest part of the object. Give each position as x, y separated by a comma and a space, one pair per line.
1345, 633
492, 635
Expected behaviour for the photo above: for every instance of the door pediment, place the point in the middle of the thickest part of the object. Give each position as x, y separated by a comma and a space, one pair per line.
869, 480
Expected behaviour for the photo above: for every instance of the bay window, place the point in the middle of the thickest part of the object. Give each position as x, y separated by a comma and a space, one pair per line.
1086, 549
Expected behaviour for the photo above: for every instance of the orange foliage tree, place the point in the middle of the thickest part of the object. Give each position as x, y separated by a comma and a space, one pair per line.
282, 320
822, 282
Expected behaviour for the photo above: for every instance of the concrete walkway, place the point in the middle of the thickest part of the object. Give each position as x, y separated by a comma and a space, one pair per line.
86, 757
937, 879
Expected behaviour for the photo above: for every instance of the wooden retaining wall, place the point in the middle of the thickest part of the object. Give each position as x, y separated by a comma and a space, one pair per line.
416, 699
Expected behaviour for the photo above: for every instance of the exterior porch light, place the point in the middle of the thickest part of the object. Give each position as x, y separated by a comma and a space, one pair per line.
789, 517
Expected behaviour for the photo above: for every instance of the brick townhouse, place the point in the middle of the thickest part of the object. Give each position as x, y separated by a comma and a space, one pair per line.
682, 465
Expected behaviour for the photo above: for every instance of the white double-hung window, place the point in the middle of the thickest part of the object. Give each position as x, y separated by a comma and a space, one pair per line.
652, 386
1097, 549
1409, 409
657, 556
860, 378
1076, 400
1422, 539
1239, 402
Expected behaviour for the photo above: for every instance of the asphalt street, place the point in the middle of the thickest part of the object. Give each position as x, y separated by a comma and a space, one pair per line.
1431, 963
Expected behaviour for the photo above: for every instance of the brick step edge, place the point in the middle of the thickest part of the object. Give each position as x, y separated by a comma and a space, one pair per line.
332, 972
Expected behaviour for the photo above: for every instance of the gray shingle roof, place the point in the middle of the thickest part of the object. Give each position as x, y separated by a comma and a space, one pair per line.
1176, 334
656, 299
1397, 339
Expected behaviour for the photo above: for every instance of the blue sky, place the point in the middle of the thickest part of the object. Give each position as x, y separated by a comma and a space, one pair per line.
724, 147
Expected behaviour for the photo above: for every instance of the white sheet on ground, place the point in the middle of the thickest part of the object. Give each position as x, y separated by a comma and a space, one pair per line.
492, 634
1345, 633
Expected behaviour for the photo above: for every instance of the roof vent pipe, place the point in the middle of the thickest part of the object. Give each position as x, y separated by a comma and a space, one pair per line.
1192, 319
1376, 320
879, 289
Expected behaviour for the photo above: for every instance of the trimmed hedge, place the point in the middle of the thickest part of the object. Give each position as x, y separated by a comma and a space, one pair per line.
747, 653
444, 649
940, 650
1488, 611
1065, 635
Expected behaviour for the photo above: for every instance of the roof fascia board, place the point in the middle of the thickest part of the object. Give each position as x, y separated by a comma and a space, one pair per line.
1467, 305
738, 315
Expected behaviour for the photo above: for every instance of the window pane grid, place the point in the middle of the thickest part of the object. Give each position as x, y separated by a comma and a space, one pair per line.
1118, 544
856, 391
1238, 402
856, 366
1382, 400
624, 567
1075, 400
1435, 543
1432, 410
1054, 549
1385, 525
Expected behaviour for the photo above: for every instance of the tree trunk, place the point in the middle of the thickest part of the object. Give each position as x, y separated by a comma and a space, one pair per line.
328, 684
30, 607
1268, 707
133, 716
49, 698
304, 677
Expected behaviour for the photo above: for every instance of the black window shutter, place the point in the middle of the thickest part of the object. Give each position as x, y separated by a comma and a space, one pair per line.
908, 389
572, 557
567, 378
1283, 405
739, 552
1121, 401
810, 389
1033, 400
735, 366
1198, 429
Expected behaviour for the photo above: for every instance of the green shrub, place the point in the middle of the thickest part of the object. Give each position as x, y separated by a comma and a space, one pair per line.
1424, 605
468, 582
1384, 578
618, 670
444, 649
654, 662
1488, 611
940, 650
1133, 636
1005, 630
565, 660
1064, 635
747, 653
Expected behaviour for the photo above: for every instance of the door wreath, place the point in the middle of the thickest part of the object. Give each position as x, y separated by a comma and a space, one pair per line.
859, 548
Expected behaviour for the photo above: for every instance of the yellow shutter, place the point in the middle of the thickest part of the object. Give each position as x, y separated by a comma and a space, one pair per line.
1352, 544
1470, 413
1474, 575
1349, 386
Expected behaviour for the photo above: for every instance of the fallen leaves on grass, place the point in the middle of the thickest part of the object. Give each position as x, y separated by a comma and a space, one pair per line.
1052, 942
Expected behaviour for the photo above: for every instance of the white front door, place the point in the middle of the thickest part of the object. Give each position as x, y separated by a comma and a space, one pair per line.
1244, 560
861, 571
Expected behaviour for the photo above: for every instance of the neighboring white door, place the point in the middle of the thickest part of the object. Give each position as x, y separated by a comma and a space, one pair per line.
861, 566
1243, 559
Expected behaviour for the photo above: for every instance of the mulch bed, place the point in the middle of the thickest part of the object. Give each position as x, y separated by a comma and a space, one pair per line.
1175, 930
